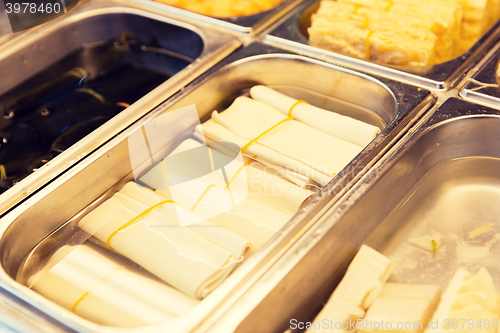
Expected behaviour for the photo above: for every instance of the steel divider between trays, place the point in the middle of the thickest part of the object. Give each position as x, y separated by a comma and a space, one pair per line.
484, 85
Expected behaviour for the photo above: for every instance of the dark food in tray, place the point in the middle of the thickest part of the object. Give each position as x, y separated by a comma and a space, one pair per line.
53, 110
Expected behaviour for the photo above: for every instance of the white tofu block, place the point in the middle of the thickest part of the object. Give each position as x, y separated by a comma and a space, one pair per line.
467, 253
423, 291
467, 297
389, 312
409, 304
361, 284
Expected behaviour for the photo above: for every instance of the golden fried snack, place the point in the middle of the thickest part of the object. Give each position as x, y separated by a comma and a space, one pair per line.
370, 34
402, 32
224, 8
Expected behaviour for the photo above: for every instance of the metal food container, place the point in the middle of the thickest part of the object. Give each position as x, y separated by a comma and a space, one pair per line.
484, 85
384, 102
458, 139
249, 24
292, 35
91, 22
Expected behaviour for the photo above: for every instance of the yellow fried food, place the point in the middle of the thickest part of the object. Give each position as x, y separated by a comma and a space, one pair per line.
402, 32
224, 8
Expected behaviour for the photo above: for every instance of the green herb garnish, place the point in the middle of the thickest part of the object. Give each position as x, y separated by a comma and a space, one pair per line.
434, 248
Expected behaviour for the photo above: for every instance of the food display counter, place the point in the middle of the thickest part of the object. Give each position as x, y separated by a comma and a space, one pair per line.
173, 169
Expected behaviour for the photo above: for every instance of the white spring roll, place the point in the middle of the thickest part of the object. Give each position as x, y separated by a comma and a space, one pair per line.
232, 242
180, 256
222, 134
98, 289
329, 122
269, 201
322, 152
292, 176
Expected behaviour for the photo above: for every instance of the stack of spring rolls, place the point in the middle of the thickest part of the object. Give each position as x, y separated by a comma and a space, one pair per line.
402, 32
202, 209
146, 228
281, 131
91, 284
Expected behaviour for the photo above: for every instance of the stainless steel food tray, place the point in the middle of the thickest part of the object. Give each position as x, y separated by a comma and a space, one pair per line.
303, 279
107, 169
484, 86
250, 24
292, 35
31, 52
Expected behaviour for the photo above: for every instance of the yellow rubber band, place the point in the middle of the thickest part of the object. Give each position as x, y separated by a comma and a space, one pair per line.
245, 147
236, 174
368, 45
389, 6
88, 292
3, 172
202, 195
294, 105
135, 219
356, 7
370, 33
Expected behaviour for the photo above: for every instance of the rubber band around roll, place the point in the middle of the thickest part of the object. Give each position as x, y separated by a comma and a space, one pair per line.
236, 174
212, 185
294, 105
78, 301
202, 195
245, 147
135, 219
